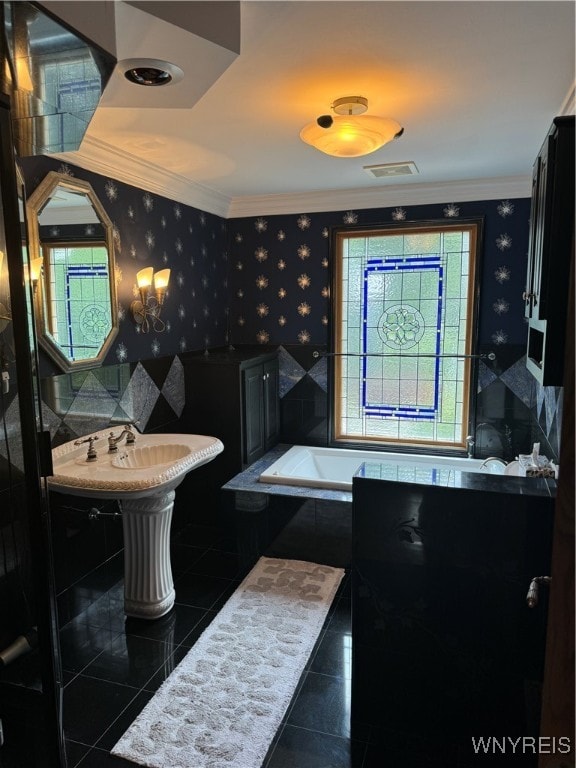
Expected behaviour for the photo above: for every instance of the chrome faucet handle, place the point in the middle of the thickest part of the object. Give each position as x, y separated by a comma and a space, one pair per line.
91, 455
112, 440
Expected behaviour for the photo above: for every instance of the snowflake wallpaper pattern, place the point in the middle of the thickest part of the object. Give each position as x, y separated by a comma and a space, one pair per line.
282, 262
151, 230
266, 280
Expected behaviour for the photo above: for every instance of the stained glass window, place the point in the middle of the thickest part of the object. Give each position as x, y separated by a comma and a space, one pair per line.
78, 295
404, 299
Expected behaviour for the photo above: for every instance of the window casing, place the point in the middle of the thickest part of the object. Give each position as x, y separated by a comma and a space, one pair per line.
403, 330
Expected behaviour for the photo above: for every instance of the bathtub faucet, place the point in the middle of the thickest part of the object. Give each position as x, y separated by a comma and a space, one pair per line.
470, 446
114, 440
500, 461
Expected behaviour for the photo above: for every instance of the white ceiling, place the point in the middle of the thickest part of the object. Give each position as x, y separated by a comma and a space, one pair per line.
474, 84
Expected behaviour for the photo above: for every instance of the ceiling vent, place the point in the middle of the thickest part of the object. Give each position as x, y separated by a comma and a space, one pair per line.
388, 170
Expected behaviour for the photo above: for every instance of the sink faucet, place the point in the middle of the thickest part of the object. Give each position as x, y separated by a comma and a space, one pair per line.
114, 440
470, 446
91, 455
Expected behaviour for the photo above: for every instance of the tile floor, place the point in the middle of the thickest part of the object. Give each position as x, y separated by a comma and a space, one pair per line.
113, 666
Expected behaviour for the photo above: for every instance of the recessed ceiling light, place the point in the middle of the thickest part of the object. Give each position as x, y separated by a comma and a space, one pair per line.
150, 72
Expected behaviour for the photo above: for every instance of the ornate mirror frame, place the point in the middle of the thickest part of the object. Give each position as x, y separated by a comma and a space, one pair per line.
34, 207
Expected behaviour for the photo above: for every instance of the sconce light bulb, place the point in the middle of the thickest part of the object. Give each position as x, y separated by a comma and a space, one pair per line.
36, 269
144, 277
146, 312
161, 279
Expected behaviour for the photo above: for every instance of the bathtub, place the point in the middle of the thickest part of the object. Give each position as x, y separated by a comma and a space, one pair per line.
334, 467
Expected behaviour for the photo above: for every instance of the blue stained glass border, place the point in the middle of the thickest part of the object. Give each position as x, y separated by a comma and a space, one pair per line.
405, 264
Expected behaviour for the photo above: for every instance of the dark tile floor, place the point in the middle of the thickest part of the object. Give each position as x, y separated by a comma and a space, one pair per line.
113, 666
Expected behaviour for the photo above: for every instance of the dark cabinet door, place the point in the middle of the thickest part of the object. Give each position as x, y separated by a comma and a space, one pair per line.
551, 234
261, 409
542, 224
233, 395
534, 247
253, 405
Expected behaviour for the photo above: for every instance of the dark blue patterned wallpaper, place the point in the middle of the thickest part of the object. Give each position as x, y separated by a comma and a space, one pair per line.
150, 230
280, 270
280, 273
271, 274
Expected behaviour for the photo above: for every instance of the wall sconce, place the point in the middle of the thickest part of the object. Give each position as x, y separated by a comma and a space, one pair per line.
146, 310
35, 272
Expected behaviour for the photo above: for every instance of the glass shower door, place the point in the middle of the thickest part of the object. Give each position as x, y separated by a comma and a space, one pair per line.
30, 675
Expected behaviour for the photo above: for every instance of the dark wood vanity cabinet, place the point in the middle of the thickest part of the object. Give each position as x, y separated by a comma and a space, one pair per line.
233, 395
551, 241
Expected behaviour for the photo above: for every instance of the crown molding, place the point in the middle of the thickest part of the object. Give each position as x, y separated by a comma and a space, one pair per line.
99, 157
382, 197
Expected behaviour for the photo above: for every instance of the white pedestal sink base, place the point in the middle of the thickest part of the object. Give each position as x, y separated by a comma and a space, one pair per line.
148, 585
142, 478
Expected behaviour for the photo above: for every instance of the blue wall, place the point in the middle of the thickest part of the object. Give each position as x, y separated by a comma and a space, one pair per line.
153, 231
269, 254
280, 273
263, 280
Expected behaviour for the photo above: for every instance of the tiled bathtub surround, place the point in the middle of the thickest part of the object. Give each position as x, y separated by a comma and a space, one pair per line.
513, 409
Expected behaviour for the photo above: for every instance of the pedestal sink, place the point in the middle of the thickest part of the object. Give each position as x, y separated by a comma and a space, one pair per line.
143, 478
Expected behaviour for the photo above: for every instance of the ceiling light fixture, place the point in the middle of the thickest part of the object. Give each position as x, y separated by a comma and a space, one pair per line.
350, 133
150, 72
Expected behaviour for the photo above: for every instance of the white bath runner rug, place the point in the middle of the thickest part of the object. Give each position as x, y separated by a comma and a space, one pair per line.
222, 705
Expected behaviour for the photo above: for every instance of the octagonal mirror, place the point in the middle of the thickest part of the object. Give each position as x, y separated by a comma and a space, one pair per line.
72, 262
